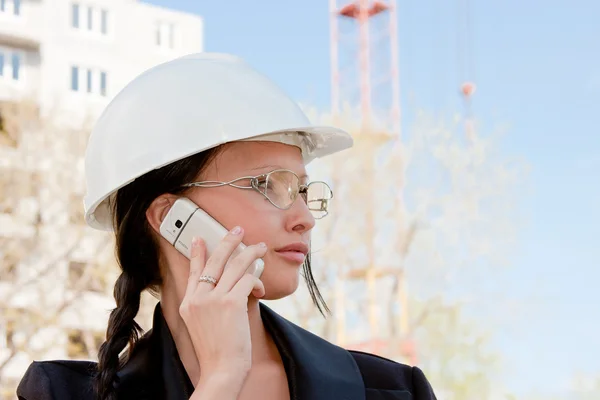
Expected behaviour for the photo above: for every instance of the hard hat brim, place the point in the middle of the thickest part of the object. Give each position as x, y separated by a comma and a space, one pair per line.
317, 142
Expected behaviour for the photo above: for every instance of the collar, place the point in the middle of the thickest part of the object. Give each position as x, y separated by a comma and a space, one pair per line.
320, 370
317, 369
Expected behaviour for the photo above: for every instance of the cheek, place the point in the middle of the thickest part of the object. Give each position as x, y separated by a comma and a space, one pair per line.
260, 220
260, 227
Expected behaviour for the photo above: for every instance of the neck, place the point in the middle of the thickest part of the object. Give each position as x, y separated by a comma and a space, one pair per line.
263, 348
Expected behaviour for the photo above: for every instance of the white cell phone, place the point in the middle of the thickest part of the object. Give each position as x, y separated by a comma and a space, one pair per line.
185, 220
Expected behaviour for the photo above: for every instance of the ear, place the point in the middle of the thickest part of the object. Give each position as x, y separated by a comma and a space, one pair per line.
158, 210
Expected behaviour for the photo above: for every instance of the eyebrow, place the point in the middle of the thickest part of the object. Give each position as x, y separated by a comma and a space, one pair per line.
273, 167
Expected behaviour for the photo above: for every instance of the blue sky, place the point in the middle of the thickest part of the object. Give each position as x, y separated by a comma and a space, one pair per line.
537, 69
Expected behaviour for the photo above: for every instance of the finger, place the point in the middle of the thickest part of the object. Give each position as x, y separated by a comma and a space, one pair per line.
220, 256
238, 266
246, 285
197, 262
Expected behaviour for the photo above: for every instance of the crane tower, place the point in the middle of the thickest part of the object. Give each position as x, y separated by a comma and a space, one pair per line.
365, 82
364, 61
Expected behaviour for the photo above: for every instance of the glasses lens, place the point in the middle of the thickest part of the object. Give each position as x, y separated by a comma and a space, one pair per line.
282, 188
318, 196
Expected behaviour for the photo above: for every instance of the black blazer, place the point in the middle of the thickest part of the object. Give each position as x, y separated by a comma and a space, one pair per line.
316, 370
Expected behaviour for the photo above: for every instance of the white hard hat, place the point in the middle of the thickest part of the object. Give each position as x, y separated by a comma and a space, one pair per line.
184, 107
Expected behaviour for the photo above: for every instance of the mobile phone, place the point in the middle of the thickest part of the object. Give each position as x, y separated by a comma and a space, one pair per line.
185, 220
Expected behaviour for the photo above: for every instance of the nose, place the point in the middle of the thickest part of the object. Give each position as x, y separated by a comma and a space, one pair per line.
300, 219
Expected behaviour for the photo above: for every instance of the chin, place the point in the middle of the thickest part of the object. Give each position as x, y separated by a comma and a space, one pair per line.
278, 286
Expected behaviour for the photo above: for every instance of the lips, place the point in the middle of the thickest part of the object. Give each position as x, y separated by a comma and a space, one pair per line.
294, 247
295, 252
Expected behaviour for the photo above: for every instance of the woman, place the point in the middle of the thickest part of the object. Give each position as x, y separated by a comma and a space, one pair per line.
211, 129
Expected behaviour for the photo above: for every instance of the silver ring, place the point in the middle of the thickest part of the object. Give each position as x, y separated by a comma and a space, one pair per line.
207, 279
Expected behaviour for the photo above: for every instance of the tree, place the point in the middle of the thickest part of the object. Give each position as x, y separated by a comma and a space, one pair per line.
412, 221
415, 219
585, 387
55, 273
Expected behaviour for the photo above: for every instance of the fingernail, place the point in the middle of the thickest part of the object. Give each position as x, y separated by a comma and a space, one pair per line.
237, 230
263, 245
195, 241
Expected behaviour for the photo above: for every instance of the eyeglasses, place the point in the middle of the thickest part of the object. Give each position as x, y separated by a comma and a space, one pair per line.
281, 187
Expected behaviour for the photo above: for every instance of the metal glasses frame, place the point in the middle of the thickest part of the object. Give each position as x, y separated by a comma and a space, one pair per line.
255, 181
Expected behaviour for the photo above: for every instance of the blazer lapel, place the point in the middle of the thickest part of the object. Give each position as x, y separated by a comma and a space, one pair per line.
154, 370
321, 370
176, 380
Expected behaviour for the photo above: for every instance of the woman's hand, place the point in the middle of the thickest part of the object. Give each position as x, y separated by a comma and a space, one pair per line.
216, 316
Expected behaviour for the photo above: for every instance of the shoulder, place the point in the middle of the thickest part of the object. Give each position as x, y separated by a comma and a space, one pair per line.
60, 379
380, 373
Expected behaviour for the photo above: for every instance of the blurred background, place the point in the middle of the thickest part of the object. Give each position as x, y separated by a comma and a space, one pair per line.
464, 236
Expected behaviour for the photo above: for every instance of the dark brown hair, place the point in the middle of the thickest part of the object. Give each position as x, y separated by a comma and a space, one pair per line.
138, 256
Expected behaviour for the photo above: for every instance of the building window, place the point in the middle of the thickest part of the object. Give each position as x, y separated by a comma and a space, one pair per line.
171, 36
9, 6
89, 81
90, 18
10, 64
75, 15
103, 83
165, 35
104, 22
16, 66
74, 79
86, 17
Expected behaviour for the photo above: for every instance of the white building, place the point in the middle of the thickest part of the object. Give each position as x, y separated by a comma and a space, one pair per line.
72, 57
81, 53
